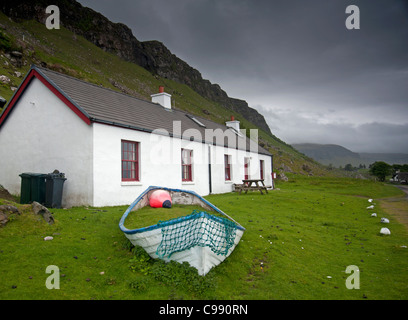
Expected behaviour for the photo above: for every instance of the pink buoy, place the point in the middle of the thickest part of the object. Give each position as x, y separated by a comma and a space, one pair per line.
160, 199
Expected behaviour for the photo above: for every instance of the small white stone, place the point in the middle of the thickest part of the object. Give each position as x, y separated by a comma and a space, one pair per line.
48, 238
385, 231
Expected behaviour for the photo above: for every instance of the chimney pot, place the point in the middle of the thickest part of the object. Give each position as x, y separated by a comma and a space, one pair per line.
161, 89
232, 118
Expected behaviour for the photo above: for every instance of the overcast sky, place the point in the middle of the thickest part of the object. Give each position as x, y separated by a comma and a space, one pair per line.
292, 60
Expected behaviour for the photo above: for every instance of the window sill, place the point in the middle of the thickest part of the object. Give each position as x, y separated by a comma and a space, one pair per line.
131, 183
187, 182
228, 182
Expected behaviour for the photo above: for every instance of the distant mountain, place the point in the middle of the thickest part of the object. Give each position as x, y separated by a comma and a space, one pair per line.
390, 158
329, 154
339, 156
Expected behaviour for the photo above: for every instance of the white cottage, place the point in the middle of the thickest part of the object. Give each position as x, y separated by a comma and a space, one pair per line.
112, 146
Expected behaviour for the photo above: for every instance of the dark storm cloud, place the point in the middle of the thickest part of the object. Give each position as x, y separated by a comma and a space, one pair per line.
292, 59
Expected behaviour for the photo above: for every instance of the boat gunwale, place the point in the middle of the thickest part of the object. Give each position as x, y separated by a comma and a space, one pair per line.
162, 224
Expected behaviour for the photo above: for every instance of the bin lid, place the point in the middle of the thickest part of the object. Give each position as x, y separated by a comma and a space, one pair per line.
56, 176
32, 174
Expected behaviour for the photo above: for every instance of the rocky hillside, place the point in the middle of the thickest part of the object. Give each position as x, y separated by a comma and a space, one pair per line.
117, 38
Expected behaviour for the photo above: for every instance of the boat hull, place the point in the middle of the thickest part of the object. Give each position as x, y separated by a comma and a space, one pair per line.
201, 254
200, 257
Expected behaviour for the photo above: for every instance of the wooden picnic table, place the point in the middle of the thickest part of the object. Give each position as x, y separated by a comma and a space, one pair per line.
251, 184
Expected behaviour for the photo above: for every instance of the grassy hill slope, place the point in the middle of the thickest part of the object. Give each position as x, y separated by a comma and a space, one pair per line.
65, 52
297, 245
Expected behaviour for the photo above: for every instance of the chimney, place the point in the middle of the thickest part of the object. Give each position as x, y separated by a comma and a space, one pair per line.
162, 98
234, 124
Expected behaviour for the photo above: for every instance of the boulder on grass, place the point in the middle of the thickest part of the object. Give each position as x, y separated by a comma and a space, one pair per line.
5, 212
43, 211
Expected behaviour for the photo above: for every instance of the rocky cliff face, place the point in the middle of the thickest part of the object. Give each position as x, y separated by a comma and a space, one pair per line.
167, 65
117, 38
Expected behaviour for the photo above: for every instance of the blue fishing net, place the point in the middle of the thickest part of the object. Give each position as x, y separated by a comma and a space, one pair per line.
197, 229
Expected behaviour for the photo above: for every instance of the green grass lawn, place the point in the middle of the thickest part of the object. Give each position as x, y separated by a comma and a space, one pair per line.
299, 240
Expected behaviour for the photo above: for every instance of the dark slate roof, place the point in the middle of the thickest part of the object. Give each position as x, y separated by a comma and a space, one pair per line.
104, 105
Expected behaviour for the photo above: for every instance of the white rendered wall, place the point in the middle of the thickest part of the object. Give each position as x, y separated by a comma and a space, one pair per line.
220, 185
42, 134
160, 165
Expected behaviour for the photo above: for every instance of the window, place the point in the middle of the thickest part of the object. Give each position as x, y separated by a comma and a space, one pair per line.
130, 161
261, 169
196, 120
227, 163
246, 168
186, 167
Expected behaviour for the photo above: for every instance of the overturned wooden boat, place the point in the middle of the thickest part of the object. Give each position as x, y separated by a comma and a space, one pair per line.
203, 238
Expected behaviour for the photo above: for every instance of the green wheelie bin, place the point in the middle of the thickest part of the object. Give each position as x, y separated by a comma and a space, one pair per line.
32, 187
